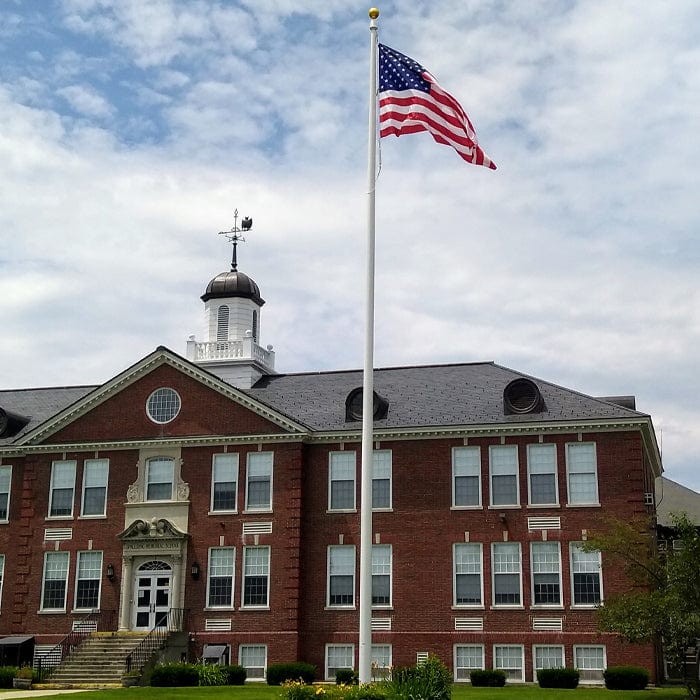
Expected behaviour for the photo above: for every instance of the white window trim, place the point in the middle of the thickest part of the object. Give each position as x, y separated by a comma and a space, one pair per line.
545, 646
212, 511
504, 606
51, 489
513, 448
455, 604
103, 514
332, 646
353, 508
605, 661
233, 580
257, 606
475, 506
99, 579
550, 606
384, 606
584, 606
7, 467
390, 507
534, 446
259, 509
333, 606
2, 576
522, 660
42, 609
454, 660
579, 504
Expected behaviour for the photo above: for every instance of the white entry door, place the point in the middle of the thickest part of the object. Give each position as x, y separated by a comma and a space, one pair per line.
152, 595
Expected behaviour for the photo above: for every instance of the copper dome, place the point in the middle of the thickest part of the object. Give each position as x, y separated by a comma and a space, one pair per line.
233, 284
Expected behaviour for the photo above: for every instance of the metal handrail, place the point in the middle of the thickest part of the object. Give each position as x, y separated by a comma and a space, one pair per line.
47, 663
155, 640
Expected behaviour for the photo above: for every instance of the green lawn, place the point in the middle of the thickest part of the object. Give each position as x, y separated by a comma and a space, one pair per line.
460, 692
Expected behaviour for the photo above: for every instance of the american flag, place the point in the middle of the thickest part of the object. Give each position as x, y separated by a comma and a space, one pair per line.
410, 100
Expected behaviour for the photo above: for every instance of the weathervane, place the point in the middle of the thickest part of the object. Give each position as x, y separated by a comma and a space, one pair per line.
235, 235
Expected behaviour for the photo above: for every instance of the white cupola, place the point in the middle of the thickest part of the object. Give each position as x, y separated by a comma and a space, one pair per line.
232, 305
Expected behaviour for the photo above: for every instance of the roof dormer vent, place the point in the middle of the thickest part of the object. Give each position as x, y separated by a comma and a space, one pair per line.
353, 405
11, 423
522, 396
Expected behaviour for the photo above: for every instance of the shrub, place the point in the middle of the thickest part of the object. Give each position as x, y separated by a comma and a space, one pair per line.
293, 671
428, 681
175, 675
488, 678
7, 673
235, 675
368, 691
346, 676
626, 678
297, 690
558, 677
211, 674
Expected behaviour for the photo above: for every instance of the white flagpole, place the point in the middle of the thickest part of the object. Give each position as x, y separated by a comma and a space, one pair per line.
365, 658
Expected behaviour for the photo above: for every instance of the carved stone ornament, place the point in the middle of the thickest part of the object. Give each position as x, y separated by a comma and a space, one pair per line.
134, 493
155, 528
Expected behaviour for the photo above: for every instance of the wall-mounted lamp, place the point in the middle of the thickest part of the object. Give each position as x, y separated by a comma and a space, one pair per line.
502, 517
195, 570
110, 572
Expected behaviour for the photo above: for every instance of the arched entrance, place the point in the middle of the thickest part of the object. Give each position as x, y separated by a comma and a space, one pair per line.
152, 595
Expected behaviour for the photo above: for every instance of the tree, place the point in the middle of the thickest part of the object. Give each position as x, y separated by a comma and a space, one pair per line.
664, 602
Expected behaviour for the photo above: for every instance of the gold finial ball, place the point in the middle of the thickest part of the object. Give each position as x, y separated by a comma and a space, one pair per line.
373, 12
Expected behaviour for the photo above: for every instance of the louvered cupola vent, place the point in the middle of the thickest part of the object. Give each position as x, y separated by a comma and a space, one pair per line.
522, 396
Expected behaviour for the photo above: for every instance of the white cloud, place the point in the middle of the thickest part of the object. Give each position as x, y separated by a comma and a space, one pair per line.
86, 101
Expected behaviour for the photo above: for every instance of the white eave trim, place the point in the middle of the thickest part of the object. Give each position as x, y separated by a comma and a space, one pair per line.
146, 365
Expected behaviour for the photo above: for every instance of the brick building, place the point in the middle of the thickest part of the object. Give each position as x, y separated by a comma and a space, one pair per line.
214, 495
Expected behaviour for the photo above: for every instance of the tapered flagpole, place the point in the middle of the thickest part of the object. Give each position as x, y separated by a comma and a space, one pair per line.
365, 657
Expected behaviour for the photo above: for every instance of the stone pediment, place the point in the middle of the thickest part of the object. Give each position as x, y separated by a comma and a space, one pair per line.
150, 530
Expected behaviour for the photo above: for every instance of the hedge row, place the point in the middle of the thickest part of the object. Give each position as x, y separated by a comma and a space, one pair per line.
184, 675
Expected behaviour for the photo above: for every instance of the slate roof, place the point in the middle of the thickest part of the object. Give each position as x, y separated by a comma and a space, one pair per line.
39, 404
425, 396
419, 397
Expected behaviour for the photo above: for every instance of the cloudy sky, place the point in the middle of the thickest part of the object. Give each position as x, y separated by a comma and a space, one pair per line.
130, 131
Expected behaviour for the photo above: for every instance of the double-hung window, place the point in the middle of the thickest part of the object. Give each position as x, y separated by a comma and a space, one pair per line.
95, 478
381, 574
62, 489
506, 565
585, 576
339, 656
256, 577
468, 583
509, 658
224, 482
468, 658
341, 575
259, 482
503, 465
547, 657
380, 662
220, 577
253, 658
5, 483
341, 480
466, 477
542, 474
55, 581
160, 473
87, 584
545, 566
590, 662
381, 480
582, 473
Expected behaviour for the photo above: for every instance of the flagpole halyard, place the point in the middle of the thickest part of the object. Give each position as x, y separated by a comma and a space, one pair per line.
365, 625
